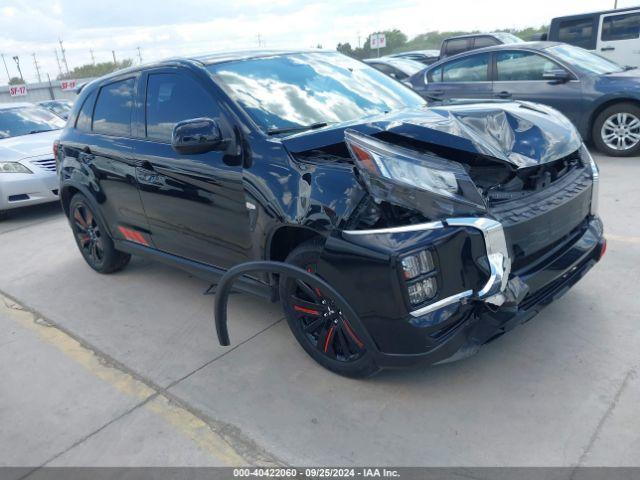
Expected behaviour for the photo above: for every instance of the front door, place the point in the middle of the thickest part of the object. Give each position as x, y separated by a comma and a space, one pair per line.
619, 38
519, 75
194, 203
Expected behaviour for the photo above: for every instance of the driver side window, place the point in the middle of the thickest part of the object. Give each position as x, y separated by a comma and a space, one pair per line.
171, 98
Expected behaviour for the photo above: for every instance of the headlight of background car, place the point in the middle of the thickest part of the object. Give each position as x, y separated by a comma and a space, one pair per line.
419, 271
13, 167
595, 175
413, 179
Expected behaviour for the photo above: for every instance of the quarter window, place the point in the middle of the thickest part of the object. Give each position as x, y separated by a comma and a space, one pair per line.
172, 98
577, 32
621, 27
481, 42
474, 68
514, 66
112, 115
83, 122
456, 46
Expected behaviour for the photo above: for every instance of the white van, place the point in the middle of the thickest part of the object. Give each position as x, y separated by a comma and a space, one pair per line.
614, 34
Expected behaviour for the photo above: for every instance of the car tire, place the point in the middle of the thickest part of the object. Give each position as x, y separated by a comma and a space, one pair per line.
92, 238
333, 344
616, 130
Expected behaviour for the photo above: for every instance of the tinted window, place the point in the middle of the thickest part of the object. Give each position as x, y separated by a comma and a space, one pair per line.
577, 32
435, 75
112, 115
474, 68
621, 27
456, 46
171, 98
481, 42
84, 116
288, 91
522, 66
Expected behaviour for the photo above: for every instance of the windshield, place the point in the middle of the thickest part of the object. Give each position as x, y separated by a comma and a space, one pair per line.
507, 37
298, 90
26, 120
585, 61
406, 65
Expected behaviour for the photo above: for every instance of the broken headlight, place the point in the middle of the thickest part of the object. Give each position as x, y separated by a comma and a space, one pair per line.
413, 179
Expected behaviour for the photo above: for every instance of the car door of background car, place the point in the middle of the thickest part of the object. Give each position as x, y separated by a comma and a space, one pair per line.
102, 144
619, 38
194, 203
466, 77
519, 76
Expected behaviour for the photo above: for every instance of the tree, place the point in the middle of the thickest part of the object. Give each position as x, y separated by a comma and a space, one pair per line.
345, 48
97, 70
16, 81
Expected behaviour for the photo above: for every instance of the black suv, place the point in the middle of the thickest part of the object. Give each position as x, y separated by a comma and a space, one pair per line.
442, 228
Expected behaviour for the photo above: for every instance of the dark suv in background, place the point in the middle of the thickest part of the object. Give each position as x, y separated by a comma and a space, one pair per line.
438, 234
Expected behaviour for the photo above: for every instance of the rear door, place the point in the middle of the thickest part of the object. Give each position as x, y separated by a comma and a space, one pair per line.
619, 38
194, 203
466, 77
103, 144
519, 76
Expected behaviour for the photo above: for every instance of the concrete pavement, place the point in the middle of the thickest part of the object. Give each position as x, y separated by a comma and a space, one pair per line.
133, 375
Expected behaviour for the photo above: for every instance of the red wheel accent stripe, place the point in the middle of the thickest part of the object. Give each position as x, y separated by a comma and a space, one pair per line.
306, 310
328, 340
353, 334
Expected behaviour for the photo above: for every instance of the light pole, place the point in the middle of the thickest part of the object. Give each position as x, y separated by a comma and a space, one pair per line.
17, 60
5, 67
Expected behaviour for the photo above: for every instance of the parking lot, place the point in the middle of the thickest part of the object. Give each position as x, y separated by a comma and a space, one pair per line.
126, 370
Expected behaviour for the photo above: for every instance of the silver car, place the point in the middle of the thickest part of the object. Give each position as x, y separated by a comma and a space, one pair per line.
27, 166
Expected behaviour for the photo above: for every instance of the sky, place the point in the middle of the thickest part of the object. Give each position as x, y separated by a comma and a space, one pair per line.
186, 27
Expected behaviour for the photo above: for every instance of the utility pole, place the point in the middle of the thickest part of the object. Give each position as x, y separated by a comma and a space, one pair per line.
35, 64
17, 60
6, 68
259, 40
93, 59
113, 52
64, 57
58, 61
139, 55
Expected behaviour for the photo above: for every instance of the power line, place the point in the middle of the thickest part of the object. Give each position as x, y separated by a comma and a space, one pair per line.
35, 64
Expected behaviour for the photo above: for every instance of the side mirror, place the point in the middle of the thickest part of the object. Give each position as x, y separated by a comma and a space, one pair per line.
196, 135
559, 75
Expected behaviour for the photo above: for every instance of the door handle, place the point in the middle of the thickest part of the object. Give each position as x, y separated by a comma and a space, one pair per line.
503, 95
607, 49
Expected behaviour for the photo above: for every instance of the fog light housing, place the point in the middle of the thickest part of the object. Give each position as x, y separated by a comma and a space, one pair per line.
422, 290
418, 264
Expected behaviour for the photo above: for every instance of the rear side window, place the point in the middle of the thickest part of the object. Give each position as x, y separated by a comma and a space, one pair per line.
481, 42
457, 45
171, 98
522, 66
577, 32
112, 115
621, 27
474, 68
83, 122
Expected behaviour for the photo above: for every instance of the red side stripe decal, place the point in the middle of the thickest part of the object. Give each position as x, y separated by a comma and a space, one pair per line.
133, 236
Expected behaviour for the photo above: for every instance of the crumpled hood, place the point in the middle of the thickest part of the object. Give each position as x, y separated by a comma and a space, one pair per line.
25, 146
521, 133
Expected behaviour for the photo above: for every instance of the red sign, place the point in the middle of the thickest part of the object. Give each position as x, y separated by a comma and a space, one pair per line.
68, 84
18, 91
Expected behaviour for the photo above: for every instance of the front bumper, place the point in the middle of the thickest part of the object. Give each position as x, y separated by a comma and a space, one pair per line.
23, 189
480, 297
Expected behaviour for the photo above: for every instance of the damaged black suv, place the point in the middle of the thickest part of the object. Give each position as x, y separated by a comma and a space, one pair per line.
441, 227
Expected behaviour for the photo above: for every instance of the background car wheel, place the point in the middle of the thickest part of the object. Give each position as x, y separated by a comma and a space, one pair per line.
92, 238
321, 329
616, 130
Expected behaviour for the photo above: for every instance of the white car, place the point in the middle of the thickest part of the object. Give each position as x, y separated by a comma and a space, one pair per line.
27, 166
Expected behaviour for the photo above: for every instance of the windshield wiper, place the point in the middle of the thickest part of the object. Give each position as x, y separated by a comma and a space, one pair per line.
41, 131
313, 126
